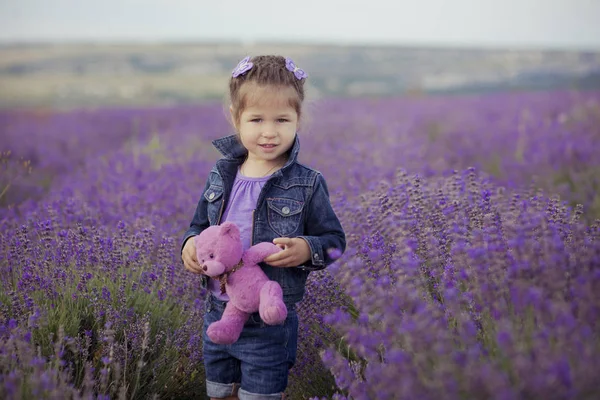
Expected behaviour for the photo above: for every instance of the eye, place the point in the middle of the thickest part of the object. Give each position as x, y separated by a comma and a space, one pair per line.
282, 120
211, 255
256, 120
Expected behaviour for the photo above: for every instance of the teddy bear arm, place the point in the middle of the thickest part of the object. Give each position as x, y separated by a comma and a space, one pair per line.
260, 251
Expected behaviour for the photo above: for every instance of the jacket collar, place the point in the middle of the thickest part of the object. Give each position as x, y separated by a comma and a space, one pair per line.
232, 149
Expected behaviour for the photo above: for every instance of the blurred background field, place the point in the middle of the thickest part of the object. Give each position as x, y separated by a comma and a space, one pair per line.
67, 75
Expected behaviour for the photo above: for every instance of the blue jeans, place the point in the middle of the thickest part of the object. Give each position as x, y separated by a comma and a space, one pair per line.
257, 364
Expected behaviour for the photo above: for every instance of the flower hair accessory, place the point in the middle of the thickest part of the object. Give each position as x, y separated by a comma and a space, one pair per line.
243, 66
300, 74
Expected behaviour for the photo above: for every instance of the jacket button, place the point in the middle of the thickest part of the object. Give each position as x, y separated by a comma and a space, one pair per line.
285, 210
211, 196
316, 256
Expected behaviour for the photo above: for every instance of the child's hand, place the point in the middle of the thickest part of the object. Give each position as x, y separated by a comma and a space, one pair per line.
295, 252
188, 255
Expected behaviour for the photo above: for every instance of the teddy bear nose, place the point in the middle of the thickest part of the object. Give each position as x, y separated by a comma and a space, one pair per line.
204, 268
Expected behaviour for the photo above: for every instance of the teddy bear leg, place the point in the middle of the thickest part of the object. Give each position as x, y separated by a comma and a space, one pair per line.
227, 330
272, 310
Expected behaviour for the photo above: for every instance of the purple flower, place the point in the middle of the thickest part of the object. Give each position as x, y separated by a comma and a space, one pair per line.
562, 371
334, 253
298, 72
106, 294
243, 66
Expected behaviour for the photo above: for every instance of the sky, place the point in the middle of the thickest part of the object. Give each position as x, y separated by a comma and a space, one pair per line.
562, 24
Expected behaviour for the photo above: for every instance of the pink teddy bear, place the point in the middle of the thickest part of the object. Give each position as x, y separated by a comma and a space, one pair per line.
219, 252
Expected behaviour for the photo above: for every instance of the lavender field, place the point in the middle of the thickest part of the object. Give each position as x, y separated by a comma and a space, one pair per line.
472, 270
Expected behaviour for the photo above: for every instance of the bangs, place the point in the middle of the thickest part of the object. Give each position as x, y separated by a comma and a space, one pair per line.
252, 94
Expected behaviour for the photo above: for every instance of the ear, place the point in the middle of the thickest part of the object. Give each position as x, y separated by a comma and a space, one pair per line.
230, 229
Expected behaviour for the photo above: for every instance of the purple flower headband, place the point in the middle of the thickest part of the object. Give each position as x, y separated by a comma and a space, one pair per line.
300, 74
243, 66
246, 65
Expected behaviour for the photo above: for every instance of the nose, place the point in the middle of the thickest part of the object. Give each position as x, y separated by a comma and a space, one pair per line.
204, 268
269, 131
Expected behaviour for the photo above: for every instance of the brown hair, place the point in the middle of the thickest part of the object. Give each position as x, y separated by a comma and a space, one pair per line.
267, 70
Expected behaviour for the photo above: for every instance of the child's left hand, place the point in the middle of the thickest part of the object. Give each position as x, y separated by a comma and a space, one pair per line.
295, 252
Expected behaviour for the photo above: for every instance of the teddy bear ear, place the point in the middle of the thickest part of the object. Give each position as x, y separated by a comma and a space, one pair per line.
230, 229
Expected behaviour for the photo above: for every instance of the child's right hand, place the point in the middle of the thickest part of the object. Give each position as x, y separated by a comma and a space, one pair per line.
188, 255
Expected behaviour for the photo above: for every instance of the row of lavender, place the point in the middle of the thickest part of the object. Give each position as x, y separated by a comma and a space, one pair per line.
551, 137
464, 290
474, 286
55, 144
94, 301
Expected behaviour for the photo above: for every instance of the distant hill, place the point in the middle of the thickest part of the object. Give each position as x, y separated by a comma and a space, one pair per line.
535, 80
90, 74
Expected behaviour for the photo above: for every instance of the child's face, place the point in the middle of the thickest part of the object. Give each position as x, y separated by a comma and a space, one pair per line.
268, 124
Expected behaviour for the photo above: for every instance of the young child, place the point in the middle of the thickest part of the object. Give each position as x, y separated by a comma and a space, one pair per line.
260, 185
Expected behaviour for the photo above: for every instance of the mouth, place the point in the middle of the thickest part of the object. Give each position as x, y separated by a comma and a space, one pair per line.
268, 146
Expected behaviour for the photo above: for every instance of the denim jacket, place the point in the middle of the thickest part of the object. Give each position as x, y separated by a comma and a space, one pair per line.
294, 202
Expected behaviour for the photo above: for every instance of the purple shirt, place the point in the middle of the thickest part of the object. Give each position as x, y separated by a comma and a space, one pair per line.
242, 202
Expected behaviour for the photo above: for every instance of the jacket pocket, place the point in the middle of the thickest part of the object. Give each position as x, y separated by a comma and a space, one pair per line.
284, 215
213, 196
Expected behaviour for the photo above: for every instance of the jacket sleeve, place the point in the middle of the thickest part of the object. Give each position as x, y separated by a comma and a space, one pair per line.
200, 219
323, 230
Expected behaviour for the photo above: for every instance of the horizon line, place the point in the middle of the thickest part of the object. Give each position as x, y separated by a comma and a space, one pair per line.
417, 45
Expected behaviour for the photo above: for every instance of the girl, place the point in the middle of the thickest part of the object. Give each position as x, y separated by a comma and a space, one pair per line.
260, 185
